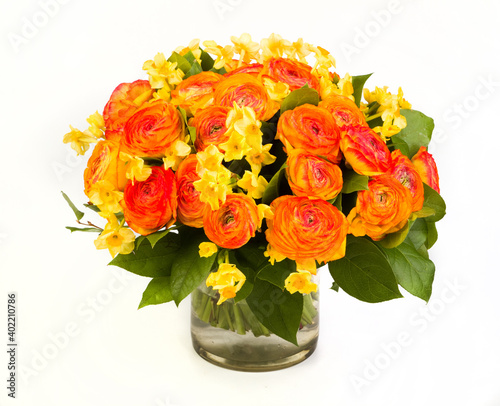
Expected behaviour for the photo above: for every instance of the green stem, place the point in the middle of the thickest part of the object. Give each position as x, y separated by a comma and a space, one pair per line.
238, 318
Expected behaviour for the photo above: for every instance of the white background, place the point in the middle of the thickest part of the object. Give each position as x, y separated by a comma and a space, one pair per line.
444, 54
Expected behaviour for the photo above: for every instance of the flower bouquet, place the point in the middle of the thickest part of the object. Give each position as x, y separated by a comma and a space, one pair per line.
235, 171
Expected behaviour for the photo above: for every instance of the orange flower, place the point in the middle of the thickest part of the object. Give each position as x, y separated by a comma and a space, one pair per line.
365, 151
234, 223
210, 124
104, 164
426, 167
404, 171
305, 229
253, 69
152, 129
152, 204
189, 207
196, 92
294, 73
311, 128
245, 90
382, 209
124, 101
310, 175
344, 111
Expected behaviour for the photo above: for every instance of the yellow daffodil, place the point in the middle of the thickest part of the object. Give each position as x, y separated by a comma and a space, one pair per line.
345, 86
224, 55
135, 168
80, 141
213, 188
324, 61
176, 154
277, 91
257, 158
299, 50
300, 282
274, 47
235, 147
246, 48
207, 249
194, 47
163, 93
162, 72
265, 212
209, 160
96, 122
116, 238
273, 255
227, 280
105, 196
253, 184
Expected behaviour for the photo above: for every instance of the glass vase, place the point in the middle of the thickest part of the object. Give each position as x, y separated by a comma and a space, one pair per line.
229, 335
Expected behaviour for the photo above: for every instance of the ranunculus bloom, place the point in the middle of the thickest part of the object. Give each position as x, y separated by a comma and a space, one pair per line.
294, 73
344, 111
189, 207
365, 151
253, 69
210, 125
305, 229
426, 167
104, 164
234, 223
245, 90
404, 171
152, 204
382, 209
311, 128
125, 100
195, 92
152, 129
310, 175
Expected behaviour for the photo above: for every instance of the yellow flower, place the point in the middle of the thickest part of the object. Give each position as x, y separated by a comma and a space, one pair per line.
162, 72
105, 196
163, 93
136, 170
213, 188
274, 46
116, 238
300, 282
259, 157
265, 212
194, 47
80, 141
175, 154
345, 86
227, 280
235, 147
224, 55
299, 49
277, 91
255, 186
246, 48
274, 256
209, 160
246, 124
96, 122
324, 61
207, 249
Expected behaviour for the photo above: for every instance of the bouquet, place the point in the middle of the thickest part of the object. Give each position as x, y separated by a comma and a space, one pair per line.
243, 168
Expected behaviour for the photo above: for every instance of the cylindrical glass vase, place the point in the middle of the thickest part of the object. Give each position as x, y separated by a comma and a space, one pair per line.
229, 335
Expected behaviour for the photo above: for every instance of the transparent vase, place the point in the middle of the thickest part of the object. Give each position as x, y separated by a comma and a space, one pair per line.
230, 335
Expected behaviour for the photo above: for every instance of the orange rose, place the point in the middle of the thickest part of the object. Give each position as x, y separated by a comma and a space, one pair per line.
152, 129
404, 171
189, 207
365, 151
426, 167
305, 229
124, 101
195, 92
253, 69
210, 124
294, 73
382, 209
311, 128
245, 90
234, 223
104, 164
310, 175
344, 111
152, 204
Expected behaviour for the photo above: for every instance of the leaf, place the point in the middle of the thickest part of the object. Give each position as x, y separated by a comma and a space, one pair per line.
277, 273
79, 215
417, 234
417, 133
394, 239
432, 234
192, 133
188, 268
155, 237
158, 291
364, 272
335, 286
92, 207
249, 273
148, 261
182, 63
194, 70
354, 182
84, 229
413, 272
273, 188
398, 143
277, 310
304, 95
207, 62
434, 201
358, 83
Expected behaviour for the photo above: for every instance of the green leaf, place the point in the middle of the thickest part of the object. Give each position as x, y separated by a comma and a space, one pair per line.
182, 63
194, 70
337, 202
413, 272
277, 273
148, 261
354, 182
277, 310
220, 71
207, 62
84, 229
155, 237
92, 207
189, 57
397, 142
358, 83
249, 273
273, 188
304, 95
335, 286
432, 234
188, 268
158, 291
364, 272
192, 133
79, 215
394, 239
434, 201
417, 234
417, 133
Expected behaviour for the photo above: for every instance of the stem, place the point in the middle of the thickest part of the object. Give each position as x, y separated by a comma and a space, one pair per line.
240, 324
373, 117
